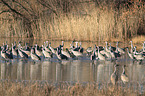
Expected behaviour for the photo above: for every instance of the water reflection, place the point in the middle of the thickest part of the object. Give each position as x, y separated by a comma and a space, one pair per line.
3, 70
35, 71
76, 70
20, 70
47, 70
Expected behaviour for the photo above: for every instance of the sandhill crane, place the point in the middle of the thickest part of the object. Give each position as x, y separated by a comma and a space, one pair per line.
112, 54
37, 51
108, 55
106, 48
66, 53
52, 49
71, 54
81, 49
114, 76
5, 55
111, 47
89, 51
138, 56
14, 52
46, 53
76, 48
26, 49
124, 77
100, 56
76, 53
60, 56
46, 47
34, 56
143, 50
120, 49
93, 56
21, 53
132, 48
72, 45
130, 54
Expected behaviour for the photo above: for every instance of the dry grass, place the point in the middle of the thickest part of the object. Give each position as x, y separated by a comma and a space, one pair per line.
19, 89
138, 39
79, 20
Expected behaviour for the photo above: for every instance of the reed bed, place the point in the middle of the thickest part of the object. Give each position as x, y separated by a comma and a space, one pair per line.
85, 20
20, 89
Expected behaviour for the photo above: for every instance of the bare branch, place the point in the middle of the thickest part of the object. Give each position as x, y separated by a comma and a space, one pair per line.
13, 10
4, 11
47, 6
25, 9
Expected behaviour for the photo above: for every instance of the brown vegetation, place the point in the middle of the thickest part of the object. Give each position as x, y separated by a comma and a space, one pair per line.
28, 89
86, 20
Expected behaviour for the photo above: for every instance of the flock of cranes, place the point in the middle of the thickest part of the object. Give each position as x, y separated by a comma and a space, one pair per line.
74, 52
46, 50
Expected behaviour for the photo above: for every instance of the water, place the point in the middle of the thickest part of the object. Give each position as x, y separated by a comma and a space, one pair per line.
81, 70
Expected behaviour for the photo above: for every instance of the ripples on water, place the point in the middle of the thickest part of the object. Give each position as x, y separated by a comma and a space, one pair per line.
82, 70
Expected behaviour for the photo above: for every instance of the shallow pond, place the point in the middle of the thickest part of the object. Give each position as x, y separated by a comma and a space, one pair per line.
81, 70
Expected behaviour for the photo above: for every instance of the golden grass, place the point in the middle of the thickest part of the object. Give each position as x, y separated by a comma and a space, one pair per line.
8, 88
84, 21
138, 39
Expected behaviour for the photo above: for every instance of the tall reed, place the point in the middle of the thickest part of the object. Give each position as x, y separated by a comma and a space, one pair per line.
78, 20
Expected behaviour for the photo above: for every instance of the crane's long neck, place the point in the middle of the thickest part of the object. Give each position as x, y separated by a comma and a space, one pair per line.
131, 47
94, 50
49, 44
123, 70
46, 44
104, 49
12, 46
117, 45
128, 50
76, 44
106, 46
135, 50
115, 70
62, 43
98, 50
36, 47
110, 46
80, 44
144, 46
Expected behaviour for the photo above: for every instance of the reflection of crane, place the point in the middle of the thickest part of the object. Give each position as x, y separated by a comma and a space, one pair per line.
35, 72
114, 76
58, 72
47, 70
3, 70
20, 69
124, 77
